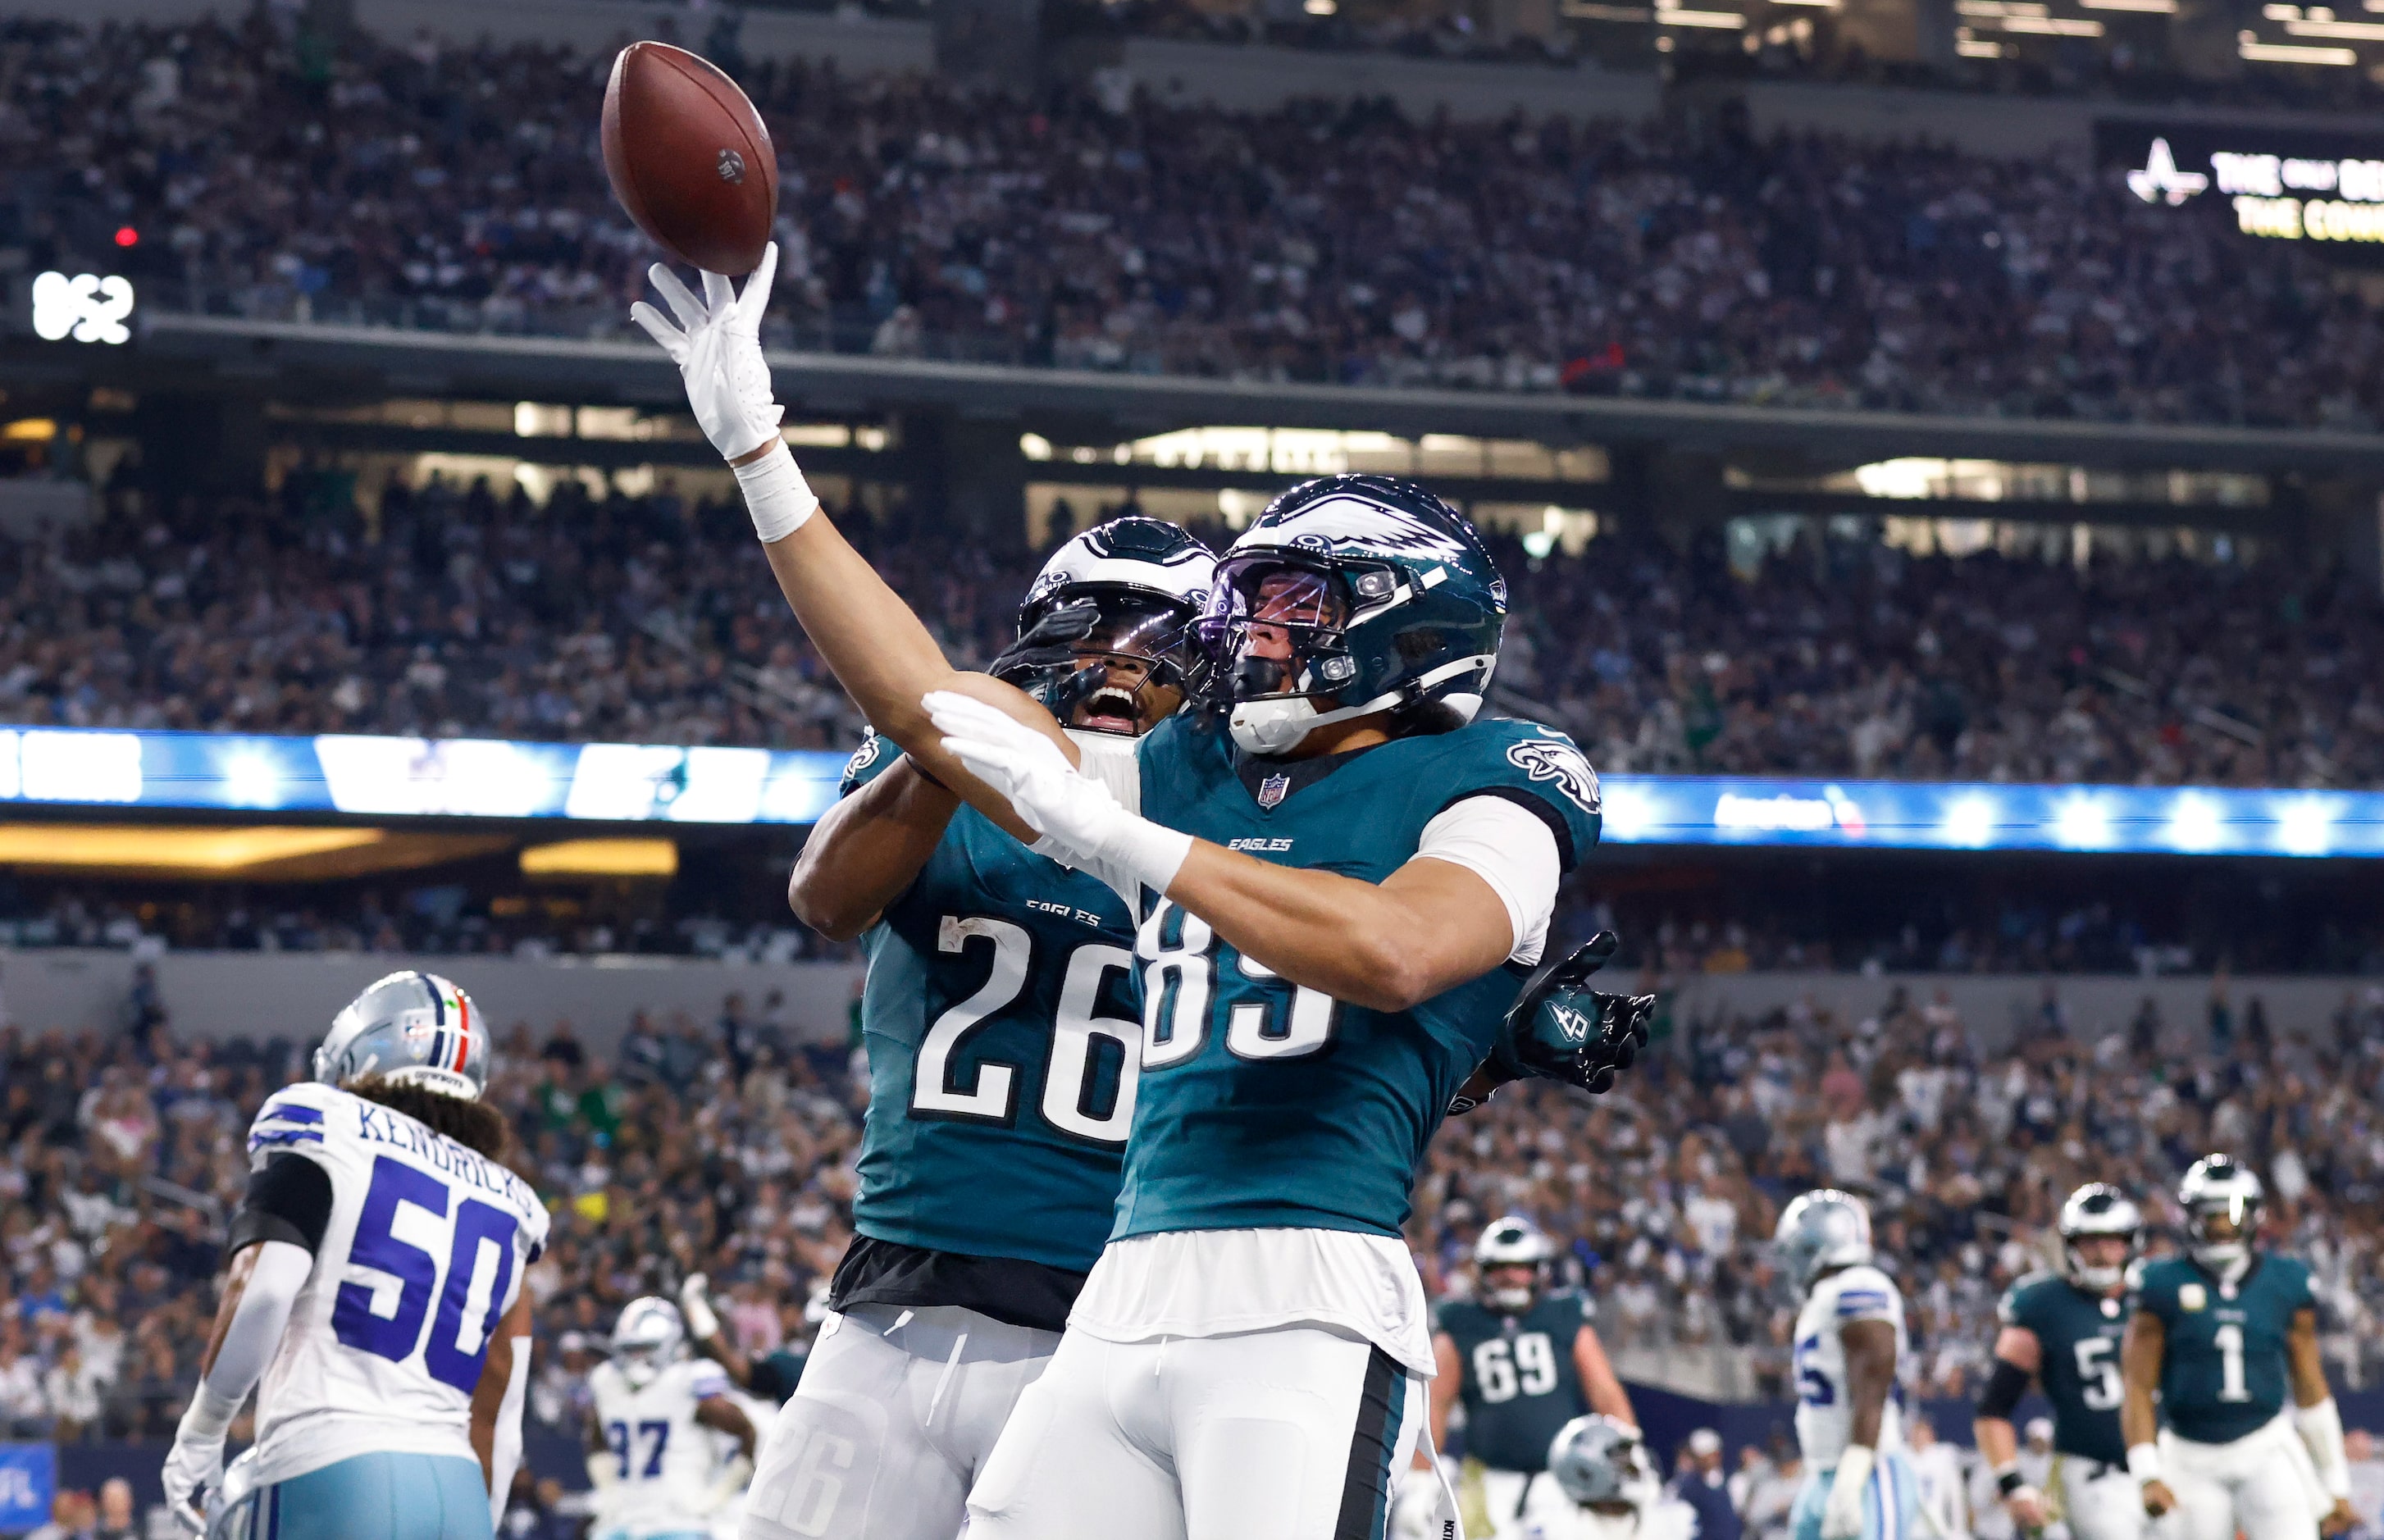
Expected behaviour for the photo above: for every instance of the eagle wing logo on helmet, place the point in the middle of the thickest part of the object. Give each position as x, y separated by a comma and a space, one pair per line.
1546, 759
1326, 524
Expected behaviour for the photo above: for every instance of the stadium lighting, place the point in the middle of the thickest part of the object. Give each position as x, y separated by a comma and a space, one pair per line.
601, 858
2286, 53
2306, 827
197, 851
2083, 824
126, 237
2196, 822
1970, 823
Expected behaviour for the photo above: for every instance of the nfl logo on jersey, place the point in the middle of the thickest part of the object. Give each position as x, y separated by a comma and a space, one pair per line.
1274, 789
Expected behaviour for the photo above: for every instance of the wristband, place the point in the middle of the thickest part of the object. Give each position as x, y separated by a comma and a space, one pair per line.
775, 493
2144, 1462
2008, 1479
1137, 849
208, 1417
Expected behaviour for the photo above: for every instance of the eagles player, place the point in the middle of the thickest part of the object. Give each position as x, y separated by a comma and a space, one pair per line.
1002, 1051
650, 1462
1319, 974
2063, 1331
1525, 1362
1849, 1336
375, 1285
2219, 1335
1601, 1487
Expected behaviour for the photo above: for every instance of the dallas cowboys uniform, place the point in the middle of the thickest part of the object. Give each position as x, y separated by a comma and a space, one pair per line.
364, 1416
1825, 1405
665, 1460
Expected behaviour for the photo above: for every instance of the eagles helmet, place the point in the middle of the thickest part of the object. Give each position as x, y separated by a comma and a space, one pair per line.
1598, 1460
1821, 1230
1351, 595
647, 1339
413, 1029
2099, 1209
1514, 1241
2221, 1198
1125, 591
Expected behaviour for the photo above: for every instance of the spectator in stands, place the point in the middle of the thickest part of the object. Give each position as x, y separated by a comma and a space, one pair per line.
1701, 1483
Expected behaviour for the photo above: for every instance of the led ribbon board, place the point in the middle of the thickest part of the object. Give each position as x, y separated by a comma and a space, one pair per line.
2278, 184
384, 778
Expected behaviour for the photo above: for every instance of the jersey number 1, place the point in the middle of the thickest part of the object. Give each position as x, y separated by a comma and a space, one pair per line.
2229, 1340
1068, 1084
470, 1294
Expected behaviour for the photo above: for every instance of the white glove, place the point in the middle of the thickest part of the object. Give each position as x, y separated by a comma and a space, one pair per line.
695, 1304
194, 1465
717, 346
1842, 1517
1081, 824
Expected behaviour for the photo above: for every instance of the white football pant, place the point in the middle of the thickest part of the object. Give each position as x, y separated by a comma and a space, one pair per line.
1295, 1432
2262, 1484
2101, 1502
896, 1414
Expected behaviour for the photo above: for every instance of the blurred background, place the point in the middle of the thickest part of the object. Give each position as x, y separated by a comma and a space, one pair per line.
1932, 444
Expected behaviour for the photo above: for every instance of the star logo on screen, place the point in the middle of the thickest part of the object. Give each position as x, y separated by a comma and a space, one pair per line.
2160, 181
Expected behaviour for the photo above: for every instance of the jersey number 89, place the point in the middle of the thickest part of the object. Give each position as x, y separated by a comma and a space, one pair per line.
1177, 979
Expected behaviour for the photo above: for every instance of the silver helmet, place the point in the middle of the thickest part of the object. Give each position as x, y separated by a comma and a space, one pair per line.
413, 1028
1513, 1241
647, 1339
1597, 1459
2095, 1209
2221, 1198
1821, 1230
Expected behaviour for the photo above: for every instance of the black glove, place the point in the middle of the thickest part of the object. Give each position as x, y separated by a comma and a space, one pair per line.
1043, 662
1560, 1029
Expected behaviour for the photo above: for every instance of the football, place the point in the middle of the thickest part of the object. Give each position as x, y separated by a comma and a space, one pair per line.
688, 158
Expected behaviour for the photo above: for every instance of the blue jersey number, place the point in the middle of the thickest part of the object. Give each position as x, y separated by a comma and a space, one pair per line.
1283, 1021
419, 1275
1814, 1388
619, 1437
1070, 1082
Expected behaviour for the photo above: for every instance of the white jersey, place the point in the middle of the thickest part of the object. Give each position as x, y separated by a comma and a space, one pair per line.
666, 1461
423, 1255
1824, 1406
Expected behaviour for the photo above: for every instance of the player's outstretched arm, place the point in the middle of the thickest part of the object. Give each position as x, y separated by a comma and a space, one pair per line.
723, 1415
866, 851
1871, 1374
2139, 1370
2318, 1420
260, 1286
704, 1328
497, 1403
878, 650
2018, 1355
1599, 1380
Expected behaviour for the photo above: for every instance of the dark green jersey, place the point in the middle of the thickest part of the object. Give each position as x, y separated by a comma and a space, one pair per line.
998, 1016
2077, 1334
1265, 1104
1517, 1379
2223, 1354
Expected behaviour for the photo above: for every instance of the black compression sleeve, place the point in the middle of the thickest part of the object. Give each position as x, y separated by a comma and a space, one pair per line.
290, 1200
2005, 1388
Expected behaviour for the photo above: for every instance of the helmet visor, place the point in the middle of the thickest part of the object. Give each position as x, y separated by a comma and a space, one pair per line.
1275, 626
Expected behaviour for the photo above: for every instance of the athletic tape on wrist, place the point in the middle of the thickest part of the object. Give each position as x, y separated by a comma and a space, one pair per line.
775, 494
2144, 1462
1151, 853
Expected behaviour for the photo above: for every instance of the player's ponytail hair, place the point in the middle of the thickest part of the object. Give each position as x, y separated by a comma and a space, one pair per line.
474, 1125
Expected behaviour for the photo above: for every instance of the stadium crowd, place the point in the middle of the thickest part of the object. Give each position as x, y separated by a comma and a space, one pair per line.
428, 185
729, 1146
458, 612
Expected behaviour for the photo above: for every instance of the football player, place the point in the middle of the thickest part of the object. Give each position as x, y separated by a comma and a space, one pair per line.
2062, 1330
1002, 1054
2220, 1335
1525, 1362
1849, 1336
769, 1379
375, 1288
1601, 1487
650, 1461
1338, 867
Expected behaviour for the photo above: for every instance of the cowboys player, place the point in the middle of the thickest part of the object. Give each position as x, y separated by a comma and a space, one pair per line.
2219, 1335
375, 1285
1525, 1362
1319, 974
1002, 1051
2063, 1331
1849, 1336
1601, 1487
650, 1463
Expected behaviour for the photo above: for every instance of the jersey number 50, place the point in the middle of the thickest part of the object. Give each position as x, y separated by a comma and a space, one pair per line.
469, 1286
1070, 1102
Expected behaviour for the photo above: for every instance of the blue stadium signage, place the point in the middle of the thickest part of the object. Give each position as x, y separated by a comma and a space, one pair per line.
413, 777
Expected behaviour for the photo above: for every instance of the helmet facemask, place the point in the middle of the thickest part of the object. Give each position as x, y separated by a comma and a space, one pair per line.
1277, 629
1109, 661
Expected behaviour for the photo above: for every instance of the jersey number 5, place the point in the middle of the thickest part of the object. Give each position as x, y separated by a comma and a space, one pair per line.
2099, 1383
1070, 1102
469, 1286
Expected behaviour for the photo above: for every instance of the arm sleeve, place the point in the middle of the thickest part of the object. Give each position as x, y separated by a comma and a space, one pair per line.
289, 1200
505, 1438
2004, 1388
1512, 851
254, 1332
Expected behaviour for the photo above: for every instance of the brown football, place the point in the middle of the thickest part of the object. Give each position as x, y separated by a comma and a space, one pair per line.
688, 158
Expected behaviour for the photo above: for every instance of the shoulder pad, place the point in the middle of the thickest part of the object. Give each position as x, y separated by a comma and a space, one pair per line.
874, 758
1864, 1293
2020, 1297
706, 1379
291, 1122
1524, 760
